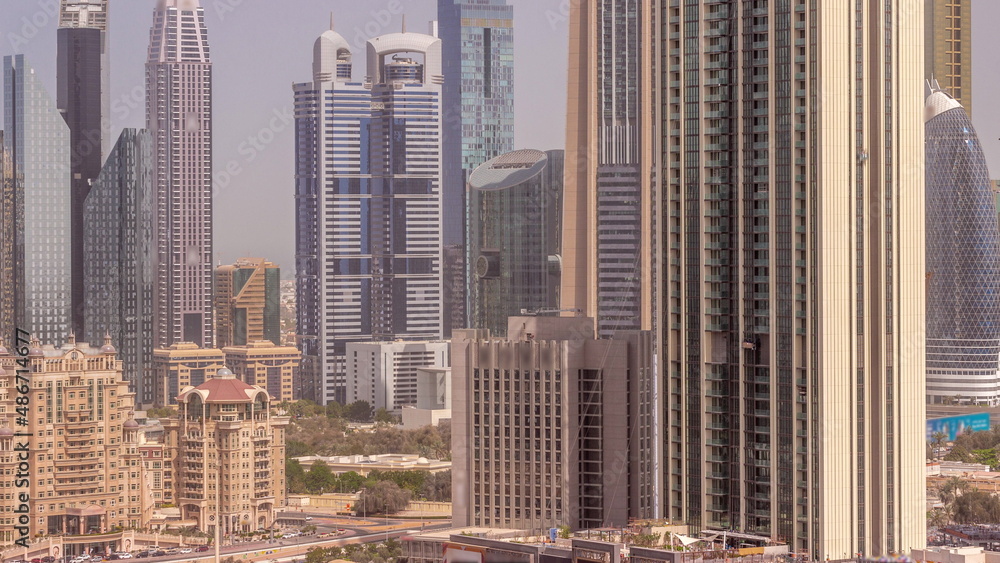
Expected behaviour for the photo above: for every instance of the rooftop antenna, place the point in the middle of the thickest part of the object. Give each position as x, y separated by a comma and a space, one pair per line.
404, 23
331, 21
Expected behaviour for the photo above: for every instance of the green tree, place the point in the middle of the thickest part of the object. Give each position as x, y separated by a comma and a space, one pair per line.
320, 479
295, 476
385, 417
437, 487
334, 410
986, 456
383, 497
358, 411
976, 507
350, 482
161, 412
295, 448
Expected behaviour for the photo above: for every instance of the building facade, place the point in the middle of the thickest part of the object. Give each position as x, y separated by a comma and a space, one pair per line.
368, 203
86, 471
552, 426
9, 184
948, 47
607, 233
477, 54
182, 365
515, 234
227, 455
963, 260
37, 141
385, 373
790, 300
179, 116
119, 267
272, 368
83, 97
247, 302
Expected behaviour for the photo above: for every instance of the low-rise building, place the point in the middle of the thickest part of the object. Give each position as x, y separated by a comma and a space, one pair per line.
181, 365
275, 368
365, 464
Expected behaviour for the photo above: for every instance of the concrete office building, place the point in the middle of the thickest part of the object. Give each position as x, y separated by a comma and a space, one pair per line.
86, 473
790, 310
607, 233
515, 234
181, 365
224, 442
368, 201
948, 47
272, 368
385, 373
83, 70
37, 141
120, 254
552, 426
963, 260
247, 302
477, 54
179, 116
433, 404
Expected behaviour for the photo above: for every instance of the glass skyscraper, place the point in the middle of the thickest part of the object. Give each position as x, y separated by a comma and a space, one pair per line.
515, 220
38, 143
963, 260
368, 203
119, 270
477, 48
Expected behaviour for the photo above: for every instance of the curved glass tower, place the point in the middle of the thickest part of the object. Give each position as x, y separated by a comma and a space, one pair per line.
515, 206
963, 260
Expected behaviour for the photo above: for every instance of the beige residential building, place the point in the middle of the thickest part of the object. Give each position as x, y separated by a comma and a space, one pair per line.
226, 453
551, 426
791, 270
275, 368
181, 365
948, 47
85, 469
247, 302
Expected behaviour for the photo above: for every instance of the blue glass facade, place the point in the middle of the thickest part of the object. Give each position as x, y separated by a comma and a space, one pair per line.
963, 260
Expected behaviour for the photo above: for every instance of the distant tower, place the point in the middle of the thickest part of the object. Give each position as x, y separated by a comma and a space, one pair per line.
37, 142
179, 116
477, 55
82, 96
948, 47
247, 303
963, 260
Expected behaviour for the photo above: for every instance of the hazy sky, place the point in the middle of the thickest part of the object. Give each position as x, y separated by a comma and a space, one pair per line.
259, 48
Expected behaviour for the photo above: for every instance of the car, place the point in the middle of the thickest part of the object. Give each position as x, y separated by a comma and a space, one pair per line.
202, 548
96, 559
36, 560
309, 518
124, 555
142, 554
324, 535
159, 553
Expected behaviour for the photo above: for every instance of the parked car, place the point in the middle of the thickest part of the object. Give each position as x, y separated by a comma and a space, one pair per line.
184, 550
203, 548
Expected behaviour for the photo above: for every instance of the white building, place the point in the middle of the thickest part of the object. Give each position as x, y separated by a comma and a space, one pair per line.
386, 374
433, 399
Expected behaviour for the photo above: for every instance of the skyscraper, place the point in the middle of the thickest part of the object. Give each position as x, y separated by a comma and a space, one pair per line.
607, 245
37, 141
247, 302
515, 229
179, 116
120, 252
8, 232
368, 205
477, 52
948, 47
790, 303
963, 260
82, 95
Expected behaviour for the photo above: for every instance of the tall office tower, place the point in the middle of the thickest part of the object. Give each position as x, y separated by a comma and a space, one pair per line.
83, 72
552, 426
120, 252
607, 232
963, 260
8, 230
791, 304
83, 440
515, 230
948, 47
179, 115
477, 52
221, 424
368, 247
37, 142
247, 302
385, 373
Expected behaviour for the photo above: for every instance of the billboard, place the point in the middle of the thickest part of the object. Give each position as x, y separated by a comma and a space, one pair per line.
953, 426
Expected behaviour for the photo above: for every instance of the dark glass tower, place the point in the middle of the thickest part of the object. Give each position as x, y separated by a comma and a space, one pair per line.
82, 95
515, 220
477, 49
119, 259
963, 260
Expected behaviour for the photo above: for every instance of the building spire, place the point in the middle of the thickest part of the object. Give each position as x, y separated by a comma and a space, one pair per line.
404, 23
331, 22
